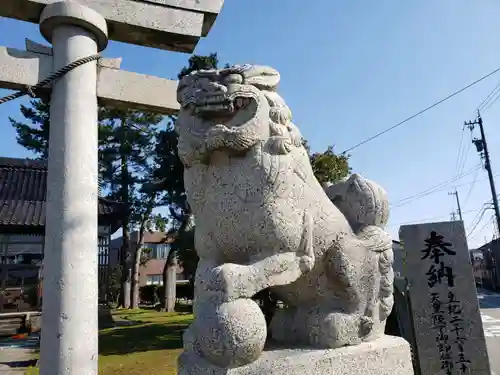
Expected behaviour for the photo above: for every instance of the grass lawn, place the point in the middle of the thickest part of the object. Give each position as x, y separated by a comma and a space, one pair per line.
143, 342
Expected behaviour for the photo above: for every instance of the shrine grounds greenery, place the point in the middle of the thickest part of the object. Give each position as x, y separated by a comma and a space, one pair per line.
142, 342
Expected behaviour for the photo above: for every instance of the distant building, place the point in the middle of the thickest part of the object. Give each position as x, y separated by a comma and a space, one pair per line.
23, 185
159, 244
486, 264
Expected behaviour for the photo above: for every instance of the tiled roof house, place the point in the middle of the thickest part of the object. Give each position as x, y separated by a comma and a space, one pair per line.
23, 192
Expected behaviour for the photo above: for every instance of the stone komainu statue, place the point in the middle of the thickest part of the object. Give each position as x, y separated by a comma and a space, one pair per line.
264, 221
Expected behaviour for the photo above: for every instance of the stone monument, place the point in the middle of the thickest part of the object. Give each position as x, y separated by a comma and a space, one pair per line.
446, 318
264, 221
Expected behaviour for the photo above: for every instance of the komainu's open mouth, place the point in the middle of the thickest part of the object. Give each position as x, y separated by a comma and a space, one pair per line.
219, 106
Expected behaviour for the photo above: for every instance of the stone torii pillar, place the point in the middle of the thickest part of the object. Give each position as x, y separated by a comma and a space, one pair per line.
70, 320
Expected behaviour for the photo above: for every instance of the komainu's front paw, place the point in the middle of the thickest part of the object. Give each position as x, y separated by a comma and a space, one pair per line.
230, 282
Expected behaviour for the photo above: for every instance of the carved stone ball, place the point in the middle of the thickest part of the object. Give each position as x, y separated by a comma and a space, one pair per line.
233, 334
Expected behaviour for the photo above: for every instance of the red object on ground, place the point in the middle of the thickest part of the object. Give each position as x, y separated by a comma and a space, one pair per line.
20, 336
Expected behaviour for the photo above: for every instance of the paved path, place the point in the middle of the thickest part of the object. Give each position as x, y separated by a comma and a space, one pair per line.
17, 355
15, 361
490, 314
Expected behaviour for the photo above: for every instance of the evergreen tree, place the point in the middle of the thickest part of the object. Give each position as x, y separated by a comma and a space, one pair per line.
169, 179
34, 137
127, 141
127, 154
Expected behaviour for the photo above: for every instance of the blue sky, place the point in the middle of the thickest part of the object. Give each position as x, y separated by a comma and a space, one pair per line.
351, 69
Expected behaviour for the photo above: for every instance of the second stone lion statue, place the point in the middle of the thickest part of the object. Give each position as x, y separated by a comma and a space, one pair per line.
264, 221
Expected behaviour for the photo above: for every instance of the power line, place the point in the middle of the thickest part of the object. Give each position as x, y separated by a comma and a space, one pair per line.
471, 187
479, 212
433, 189
422, 111
491, 103
469, 183
431, 218
465, 155
490, 221
439, 191
486, 100
436, 189
479, 216
483, 211
459, 156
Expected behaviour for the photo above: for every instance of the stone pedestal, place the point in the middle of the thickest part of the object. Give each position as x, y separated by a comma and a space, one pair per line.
388, 355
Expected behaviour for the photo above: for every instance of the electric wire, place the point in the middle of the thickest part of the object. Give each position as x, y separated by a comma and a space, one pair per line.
478, 214
490, 221
483, 211
486, 100
433, 189
471, 188
430, 218
421, 112
465, 156
491, 103
460, 149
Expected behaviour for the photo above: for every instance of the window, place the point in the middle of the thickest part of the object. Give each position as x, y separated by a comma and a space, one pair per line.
158, 250
152, 249
154, 280
162, 251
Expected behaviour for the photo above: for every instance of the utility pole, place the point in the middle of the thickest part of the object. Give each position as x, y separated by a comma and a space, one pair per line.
497, 230
459, 210
482, 149
453, 216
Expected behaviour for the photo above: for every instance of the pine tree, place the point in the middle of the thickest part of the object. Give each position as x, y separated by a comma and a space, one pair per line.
170, 181
127, 141
34, 137
127, 154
